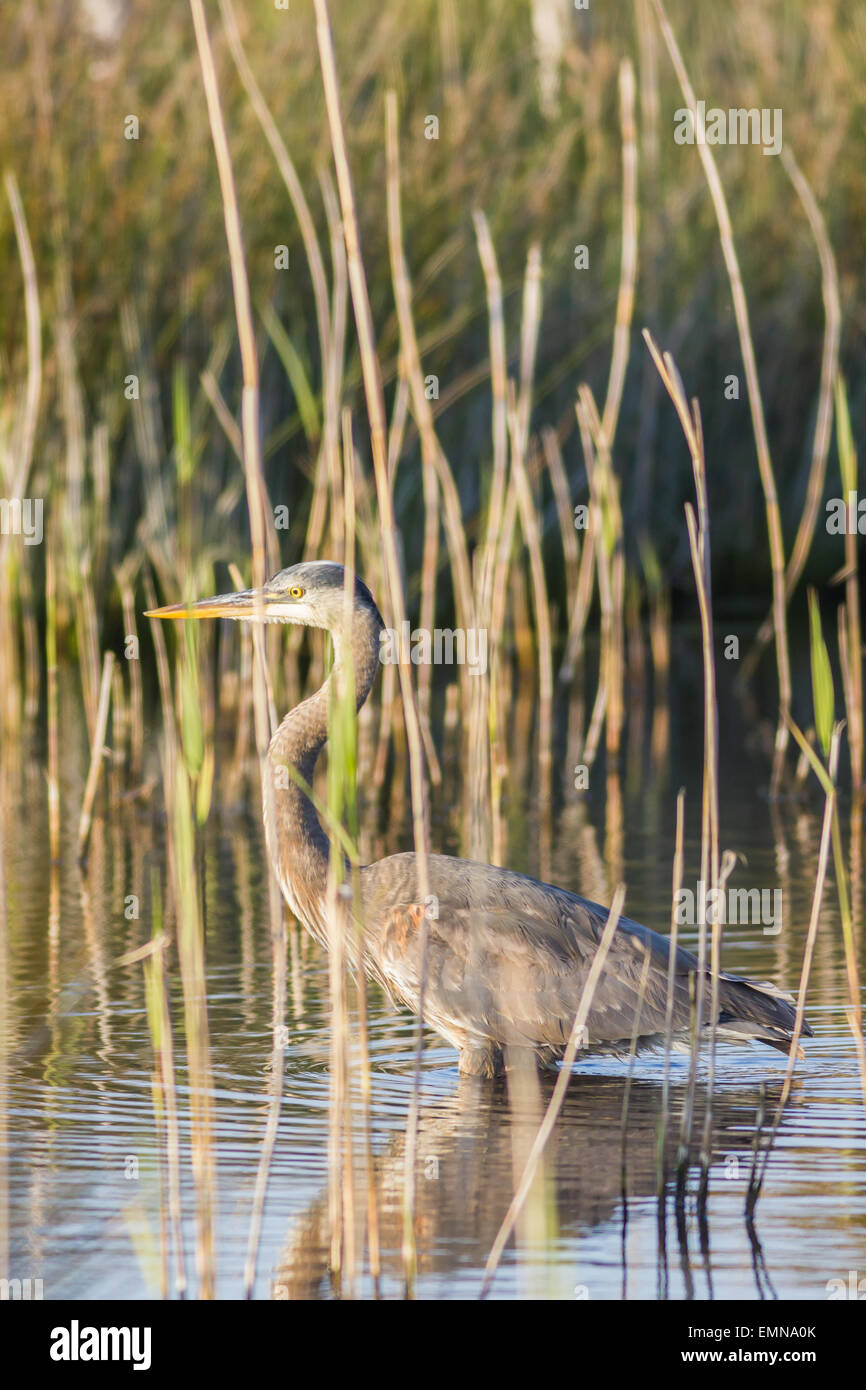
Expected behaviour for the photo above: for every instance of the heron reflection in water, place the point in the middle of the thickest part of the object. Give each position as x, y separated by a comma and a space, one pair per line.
466, 1148
507, 957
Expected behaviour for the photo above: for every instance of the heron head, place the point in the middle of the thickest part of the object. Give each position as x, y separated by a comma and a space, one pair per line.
310, 594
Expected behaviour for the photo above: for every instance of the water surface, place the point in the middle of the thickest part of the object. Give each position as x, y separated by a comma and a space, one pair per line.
84, 1158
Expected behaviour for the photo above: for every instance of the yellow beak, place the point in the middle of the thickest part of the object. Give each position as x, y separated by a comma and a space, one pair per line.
240, 605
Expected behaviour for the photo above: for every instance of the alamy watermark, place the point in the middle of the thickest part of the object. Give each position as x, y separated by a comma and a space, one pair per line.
22, 516
77, 1343
846, 517
854, 1287
27, 1289
442, 647
742, 907
739, 125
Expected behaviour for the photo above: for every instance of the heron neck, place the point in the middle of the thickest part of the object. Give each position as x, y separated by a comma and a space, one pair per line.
297, 843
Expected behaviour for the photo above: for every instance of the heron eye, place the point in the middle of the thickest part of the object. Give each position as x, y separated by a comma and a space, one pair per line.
296, 591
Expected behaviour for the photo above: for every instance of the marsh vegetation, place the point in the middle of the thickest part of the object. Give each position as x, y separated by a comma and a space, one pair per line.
404, 291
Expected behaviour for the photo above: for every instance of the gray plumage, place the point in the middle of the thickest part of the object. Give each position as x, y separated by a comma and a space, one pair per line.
507, 957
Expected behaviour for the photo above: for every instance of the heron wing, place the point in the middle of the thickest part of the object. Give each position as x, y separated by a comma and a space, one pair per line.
507, 958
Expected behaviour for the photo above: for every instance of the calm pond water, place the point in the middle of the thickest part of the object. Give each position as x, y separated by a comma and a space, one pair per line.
83, 1160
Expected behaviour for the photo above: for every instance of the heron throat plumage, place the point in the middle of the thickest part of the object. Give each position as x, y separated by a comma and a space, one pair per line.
297, 844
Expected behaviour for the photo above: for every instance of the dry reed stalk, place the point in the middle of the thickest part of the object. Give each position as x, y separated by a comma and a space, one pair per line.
519, 432
190, 943
823, 702
628, 263
610, 556
433, 457
660, 647
626, 1095
99, 519
496, 733
333, 369
649, 90
5, 1046
580, 611
288, 173
147, 428
855, 1002
278, 1030
226, 420
254, 475
366, 1085
699, 544
51, 702
124, 578
485, 717
397, 427
340, 1222
607, 425
317, 514
97, 751
635, 681
596, 724
413, 375
564, 513
364, 521
78, 575
10, 694
261, 519
504, 555
387, 702
119, 733
600, 528
72, 410
545, 1130
677, 880
848, 672
152, 956
851, 647
349, 1272
533, 1227
806, 969
530, 326
183, 877
824, 419
376, 412
623, 1161
855, 861
765, 464
615, 717
29, 633
499, 674
94, 940
263, 542
342, 793
30, 411
725, 870
245, 686
159, 1140
654, 243
378, 439
499, 417
452, 80
80, 583
162, 667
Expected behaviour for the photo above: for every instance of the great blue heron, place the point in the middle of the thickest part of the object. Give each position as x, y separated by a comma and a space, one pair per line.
507, 957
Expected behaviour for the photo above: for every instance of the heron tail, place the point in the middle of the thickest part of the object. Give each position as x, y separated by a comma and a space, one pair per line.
758, 1012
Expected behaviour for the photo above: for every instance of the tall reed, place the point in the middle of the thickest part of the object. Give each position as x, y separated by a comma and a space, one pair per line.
756, 406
